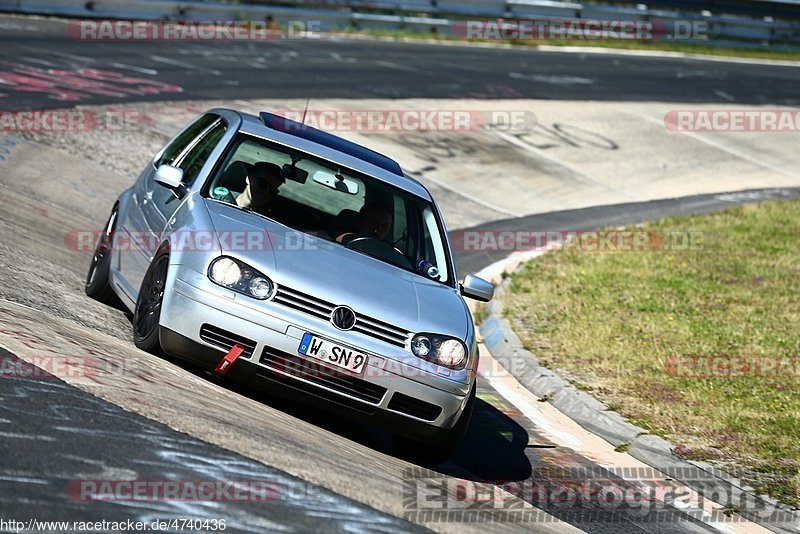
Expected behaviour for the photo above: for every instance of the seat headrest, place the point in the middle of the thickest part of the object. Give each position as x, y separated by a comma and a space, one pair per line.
234, 176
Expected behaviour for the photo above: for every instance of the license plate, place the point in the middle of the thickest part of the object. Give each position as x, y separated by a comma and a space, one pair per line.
332, 353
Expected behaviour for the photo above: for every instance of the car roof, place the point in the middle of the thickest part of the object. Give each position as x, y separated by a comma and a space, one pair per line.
329, 140
332, 148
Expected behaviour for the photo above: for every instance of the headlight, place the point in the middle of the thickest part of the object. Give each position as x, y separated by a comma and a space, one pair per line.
442, 350
225, 272
240, 277
421, 346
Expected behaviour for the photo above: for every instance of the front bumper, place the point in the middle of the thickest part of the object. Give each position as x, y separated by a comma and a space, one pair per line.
382, 393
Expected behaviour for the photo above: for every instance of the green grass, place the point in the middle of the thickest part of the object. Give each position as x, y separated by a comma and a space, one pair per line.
613, 321
688, 48
480, 314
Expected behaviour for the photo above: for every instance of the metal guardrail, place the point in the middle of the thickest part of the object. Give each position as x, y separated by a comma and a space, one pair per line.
424, 15
779, 9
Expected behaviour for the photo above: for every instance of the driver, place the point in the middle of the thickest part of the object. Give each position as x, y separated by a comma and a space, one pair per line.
374, 221
263, 182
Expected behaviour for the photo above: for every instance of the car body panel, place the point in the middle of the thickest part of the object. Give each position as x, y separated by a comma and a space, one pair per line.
304, 262
377, 292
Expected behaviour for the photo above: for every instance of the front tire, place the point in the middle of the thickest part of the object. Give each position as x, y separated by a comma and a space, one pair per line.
98, 279
438, 452
147, 312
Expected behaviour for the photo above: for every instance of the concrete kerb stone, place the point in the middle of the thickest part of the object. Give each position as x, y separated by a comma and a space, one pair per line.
587, 411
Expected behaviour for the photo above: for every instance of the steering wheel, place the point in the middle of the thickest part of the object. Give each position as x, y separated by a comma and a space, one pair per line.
375, 246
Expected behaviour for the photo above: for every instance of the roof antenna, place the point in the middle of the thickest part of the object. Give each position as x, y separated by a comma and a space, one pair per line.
308, 98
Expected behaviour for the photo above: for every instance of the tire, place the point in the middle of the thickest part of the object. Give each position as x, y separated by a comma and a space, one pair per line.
147, 312
434, 453
98, 283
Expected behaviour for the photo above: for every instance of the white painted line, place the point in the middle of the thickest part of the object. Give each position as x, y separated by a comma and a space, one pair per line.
288, 55
718, 145
70, 56
471, 198
184, 64
571, 49
35, 437
496, 269
11, 26
667, 54
25, 480
396, 66
338, 57
21, 305
134, 68
543, 155
724, 95
563, 81
39, 61
517, 398
691, 74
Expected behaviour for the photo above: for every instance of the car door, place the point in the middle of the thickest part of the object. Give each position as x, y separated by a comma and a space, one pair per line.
152, 204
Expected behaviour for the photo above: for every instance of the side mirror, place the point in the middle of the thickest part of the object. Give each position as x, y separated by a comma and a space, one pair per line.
170, 177
477, 288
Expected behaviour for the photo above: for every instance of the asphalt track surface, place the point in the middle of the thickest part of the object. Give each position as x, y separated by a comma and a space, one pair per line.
42, 451
342, 68
86, 442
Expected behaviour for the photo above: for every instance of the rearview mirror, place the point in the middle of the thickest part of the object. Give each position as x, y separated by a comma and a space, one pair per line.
336, 181
170, 177
477, 288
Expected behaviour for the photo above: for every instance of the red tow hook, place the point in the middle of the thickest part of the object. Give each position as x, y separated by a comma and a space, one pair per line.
226, 362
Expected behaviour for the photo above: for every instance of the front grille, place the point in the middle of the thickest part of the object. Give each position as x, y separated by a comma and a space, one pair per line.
304, 303
283, 363
322, 309
226, 340
414, 407
380, 330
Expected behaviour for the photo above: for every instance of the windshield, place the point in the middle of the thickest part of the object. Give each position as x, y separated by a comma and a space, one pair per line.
334, 203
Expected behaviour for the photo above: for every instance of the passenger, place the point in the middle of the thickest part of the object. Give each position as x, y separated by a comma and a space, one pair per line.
263, 183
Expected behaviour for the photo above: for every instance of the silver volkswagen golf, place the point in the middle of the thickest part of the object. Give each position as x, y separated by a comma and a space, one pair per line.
300, 263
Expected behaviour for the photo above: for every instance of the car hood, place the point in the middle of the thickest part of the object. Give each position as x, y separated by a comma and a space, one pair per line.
339, 275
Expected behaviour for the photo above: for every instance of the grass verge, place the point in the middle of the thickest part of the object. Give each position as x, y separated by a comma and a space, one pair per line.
616, 323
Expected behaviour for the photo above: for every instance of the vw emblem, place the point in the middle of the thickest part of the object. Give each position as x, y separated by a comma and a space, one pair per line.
343, 318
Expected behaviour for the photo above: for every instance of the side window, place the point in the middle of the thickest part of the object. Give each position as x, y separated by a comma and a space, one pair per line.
434, 249
177, 146
193, 161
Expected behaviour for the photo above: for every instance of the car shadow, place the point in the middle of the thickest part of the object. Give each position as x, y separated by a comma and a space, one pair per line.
493, 448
